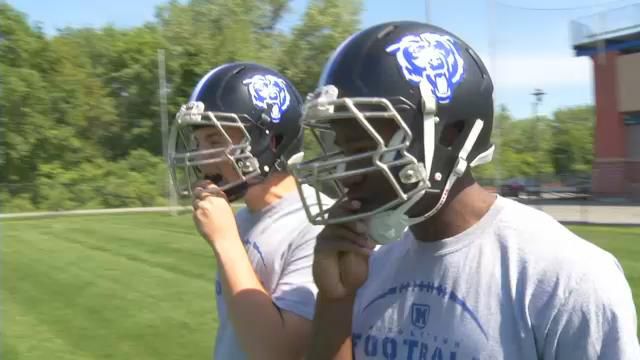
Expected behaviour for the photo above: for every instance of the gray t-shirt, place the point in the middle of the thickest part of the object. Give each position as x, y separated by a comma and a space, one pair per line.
516, 285
279, 241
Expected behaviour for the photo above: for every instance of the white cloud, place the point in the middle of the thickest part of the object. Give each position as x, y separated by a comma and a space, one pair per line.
540, 70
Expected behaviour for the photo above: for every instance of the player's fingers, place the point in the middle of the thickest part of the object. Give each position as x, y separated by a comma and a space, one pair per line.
215, 191
201, 196
353, 205
211, 190
345, 207
326, 275
328, 245
201, 184
348, 233
354, 269
345, 232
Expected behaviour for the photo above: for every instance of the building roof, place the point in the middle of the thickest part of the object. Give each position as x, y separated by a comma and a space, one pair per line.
612, 30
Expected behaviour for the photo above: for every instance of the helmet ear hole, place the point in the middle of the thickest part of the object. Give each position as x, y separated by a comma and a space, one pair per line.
451, 133
276, 141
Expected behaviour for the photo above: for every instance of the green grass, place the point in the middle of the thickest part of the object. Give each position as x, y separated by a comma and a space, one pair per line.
106, 287
624, 244
137, 286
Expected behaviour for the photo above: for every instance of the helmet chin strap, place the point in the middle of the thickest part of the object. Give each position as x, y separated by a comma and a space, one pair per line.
388, 226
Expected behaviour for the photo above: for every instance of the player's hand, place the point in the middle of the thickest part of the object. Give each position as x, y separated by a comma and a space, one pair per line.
341, 259
212, 213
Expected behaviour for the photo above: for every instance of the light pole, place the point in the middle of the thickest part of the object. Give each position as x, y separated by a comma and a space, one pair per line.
427, 7
537, 94
164, 126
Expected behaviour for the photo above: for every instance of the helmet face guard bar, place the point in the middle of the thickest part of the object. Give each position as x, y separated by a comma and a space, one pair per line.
329, 169
185, 160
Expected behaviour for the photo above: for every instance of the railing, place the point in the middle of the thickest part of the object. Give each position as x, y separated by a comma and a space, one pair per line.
611, 23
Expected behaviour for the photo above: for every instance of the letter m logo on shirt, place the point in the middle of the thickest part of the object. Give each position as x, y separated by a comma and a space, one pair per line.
419, 315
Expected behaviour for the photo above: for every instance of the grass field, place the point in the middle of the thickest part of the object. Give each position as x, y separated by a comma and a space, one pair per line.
106, 287
136, 286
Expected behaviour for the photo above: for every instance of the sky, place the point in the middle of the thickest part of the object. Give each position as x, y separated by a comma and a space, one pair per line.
531, 40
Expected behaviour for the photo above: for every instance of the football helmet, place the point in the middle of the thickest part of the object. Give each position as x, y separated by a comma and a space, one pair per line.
419, 78
252, 114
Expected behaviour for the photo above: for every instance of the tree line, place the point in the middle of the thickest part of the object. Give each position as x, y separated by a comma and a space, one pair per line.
79, 110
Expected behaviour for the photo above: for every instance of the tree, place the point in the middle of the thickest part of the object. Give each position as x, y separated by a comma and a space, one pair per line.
24, 123
203, 34
572, 149
326, 23
79, 120
21, 45
499, 167
24, 99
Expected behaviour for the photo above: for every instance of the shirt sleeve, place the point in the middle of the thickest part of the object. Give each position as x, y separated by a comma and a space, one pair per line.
597, 320
296, 292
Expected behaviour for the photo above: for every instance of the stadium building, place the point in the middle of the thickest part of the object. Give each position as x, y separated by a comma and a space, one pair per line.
612, 40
